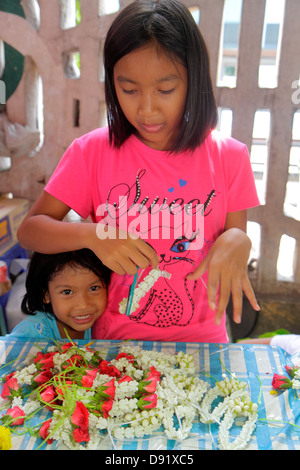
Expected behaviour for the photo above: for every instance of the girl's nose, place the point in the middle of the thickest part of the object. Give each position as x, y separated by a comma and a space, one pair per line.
147, 105
83, 301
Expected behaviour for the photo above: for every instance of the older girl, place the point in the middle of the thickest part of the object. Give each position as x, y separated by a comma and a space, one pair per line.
169, 191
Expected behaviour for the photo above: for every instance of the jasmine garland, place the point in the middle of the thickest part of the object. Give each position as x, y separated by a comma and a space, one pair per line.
141, 290
93, 401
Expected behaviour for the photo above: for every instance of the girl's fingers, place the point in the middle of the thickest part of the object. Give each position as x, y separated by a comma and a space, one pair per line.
199, 271
124, 255
249, 293
149, 255
237, 302
224, 295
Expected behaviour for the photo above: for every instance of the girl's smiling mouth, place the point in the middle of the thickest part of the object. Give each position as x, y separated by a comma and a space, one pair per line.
81, 319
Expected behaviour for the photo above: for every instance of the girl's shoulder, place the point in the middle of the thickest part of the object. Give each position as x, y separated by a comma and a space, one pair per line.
221, 142
40, 325
96, 137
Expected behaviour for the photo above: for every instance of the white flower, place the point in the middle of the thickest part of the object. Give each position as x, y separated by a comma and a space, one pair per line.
141, 290
31, 406
24, 376
295, 383
101, 423
17, 401
126, 389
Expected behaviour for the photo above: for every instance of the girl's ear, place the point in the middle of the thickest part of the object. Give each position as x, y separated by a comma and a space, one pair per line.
46, 299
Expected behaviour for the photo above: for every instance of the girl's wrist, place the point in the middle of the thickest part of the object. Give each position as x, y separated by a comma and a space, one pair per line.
87, 235
235, 232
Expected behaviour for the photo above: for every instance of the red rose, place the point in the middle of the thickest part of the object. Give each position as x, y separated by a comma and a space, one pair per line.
48, 394
43, 377
61, 390
147, 402
67, 346
147, 386
153, 374
81, 435
108, 369
80, 416
281, 382
11, 388
9, 376
106, 406
88, 379
129, 357
44, 361
75, 360
38, 357
125, 378
107, 390
47, 362
44, 431
17, 416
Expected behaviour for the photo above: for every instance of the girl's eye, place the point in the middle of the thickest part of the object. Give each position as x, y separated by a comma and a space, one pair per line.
167, 92
129, 92
94, 288
67, 292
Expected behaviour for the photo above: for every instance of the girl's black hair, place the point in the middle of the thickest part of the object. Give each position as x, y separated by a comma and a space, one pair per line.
43, 268
171, 26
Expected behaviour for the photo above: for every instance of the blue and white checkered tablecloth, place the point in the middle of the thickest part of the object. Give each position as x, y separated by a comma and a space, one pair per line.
255, 365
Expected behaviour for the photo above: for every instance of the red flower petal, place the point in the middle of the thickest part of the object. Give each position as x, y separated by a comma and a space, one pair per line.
81, 435
10, 385
44, 431
48, 394
106, 407
43, 377
280, 382
15, 413
80, 416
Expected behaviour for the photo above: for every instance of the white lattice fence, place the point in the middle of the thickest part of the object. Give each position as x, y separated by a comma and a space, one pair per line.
73, 102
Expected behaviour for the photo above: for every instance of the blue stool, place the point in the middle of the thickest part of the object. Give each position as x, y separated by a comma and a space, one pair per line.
13, 253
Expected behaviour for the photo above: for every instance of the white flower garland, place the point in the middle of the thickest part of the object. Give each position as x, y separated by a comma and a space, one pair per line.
236, 403
141, 290
181, 398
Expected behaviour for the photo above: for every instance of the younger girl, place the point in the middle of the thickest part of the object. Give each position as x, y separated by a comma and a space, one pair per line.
65, 294
158, 172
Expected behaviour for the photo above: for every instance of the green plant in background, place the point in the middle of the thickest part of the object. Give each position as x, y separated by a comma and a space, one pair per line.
270, 334
78, 12
78, 21
14, 60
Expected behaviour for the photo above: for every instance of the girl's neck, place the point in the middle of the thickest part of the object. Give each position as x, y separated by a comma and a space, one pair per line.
64, 330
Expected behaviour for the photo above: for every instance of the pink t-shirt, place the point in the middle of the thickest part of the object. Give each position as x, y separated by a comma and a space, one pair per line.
167, 198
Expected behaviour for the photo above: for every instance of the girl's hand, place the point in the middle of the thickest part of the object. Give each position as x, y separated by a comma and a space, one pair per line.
123, 252
44, 230
227, 271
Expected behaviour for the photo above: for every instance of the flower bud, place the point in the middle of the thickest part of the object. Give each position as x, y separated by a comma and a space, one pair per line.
281, 382
11, 388
14, 417
148, 401
291, 370
147, 386
107, 390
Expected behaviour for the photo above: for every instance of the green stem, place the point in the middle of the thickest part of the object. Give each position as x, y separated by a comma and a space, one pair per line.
279, 421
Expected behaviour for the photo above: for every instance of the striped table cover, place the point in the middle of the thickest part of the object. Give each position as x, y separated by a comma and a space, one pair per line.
252, 364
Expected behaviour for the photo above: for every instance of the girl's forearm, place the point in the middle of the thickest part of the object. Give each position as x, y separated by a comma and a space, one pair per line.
45, 234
